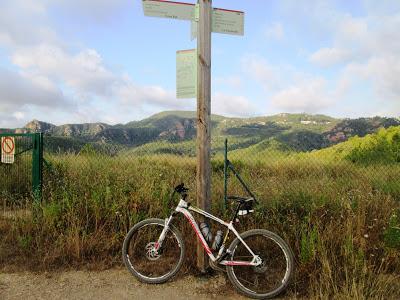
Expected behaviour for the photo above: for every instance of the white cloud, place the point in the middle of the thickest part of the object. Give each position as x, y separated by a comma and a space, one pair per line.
83, 72
383, 7
91, 10
53, 73
19, 115
7, 121
19, 90
287, 88
271, 77
24, 22
382, 72
86, 75
233, 81
131, 93
369, 46
326, 57
232, 105
275, 31
309, 96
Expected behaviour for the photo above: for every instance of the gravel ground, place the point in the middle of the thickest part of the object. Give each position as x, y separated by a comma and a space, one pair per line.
110, 284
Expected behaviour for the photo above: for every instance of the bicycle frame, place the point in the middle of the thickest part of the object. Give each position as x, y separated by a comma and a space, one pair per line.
184, 208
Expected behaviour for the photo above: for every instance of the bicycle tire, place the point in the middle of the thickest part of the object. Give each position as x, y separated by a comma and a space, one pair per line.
130, 264
276, 240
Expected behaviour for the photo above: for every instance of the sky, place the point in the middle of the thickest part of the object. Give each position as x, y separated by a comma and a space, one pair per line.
77, 61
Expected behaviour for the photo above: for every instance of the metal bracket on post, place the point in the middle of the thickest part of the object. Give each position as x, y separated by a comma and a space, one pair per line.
229, 166
197, 12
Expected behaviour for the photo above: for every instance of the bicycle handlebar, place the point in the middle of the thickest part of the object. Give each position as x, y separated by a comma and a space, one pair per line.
181, 188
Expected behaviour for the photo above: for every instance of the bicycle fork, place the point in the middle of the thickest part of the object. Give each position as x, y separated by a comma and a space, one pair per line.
163, 233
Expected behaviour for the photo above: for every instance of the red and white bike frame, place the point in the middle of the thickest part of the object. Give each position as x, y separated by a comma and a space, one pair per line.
185, 209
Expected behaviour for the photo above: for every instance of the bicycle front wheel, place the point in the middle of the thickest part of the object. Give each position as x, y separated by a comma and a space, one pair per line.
272, 276
145, 259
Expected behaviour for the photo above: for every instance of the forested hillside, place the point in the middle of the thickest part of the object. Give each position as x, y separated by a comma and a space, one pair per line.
175, 132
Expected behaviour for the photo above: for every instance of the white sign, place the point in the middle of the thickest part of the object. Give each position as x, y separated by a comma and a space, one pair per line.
227, 21
168, 9
7, 150
186, 74
223, 21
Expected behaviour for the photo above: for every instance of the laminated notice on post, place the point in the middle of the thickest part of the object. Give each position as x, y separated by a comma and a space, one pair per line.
186, 74
168, 9
227, 21
7, 150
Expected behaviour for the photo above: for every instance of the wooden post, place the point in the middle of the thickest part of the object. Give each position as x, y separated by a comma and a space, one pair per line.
203, 116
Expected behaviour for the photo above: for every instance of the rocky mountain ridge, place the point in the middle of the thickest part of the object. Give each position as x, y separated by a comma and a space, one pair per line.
302, 132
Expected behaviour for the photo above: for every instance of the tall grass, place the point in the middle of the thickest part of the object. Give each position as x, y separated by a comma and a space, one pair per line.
341, 219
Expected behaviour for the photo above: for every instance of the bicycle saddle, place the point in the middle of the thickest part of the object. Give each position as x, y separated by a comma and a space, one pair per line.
240, 199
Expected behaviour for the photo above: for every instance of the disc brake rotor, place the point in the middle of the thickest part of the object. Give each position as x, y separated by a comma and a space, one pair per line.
261, 268
151, 251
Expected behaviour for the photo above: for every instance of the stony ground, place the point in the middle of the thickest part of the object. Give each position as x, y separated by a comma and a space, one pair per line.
110, 284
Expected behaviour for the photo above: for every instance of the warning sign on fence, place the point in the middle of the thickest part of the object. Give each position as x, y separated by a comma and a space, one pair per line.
7, 150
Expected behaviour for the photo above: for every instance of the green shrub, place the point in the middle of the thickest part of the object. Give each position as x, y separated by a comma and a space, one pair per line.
392, 233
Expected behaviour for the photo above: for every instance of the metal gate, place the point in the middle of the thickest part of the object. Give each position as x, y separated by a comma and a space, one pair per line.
21, 169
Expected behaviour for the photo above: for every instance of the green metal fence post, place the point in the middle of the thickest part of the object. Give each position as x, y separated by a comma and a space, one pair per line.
37, 166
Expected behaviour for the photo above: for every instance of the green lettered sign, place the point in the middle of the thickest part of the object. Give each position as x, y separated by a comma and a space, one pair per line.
186, 74
227, 21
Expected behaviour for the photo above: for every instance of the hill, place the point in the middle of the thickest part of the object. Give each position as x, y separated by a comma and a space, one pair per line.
358, 127
175, 132
380, 147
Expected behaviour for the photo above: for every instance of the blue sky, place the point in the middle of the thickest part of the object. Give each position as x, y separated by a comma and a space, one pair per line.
103, 60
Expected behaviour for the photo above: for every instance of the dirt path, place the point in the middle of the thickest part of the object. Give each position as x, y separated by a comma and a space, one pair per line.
111, 284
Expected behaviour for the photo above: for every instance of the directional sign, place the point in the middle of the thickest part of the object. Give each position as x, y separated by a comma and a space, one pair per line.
7, 150
168, 9
227, 21
186, 74
223, 21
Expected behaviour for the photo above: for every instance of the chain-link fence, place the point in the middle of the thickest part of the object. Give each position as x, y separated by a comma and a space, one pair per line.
289, 157
277, 164
277, 159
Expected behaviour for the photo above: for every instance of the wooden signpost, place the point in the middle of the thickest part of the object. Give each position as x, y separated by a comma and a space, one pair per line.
207, 19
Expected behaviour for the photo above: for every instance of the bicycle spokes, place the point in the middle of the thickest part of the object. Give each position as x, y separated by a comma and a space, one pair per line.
145, 255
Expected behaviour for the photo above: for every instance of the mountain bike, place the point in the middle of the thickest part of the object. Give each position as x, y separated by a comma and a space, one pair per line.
258, 262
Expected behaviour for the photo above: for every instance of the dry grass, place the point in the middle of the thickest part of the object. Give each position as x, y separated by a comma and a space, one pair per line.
339, 219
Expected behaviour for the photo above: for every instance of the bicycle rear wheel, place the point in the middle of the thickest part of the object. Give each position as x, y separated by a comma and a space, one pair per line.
142, 257
273, 275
